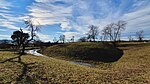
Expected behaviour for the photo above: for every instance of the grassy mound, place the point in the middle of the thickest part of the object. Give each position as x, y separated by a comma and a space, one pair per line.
85, 51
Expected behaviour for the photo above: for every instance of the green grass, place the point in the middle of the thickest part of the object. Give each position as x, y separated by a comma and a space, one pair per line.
132, 68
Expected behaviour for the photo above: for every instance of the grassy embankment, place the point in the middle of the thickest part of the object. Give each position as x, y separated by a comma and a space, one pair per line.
87, 51
132, 67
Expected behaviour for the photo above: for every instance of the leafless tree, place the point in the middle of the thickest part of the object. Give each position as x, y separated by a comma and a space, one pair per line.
55, 40
107, 32
83, 39
72, 39
139, 35
130, 38
62, 38
113, 31
32, 27
101, 38
92, 33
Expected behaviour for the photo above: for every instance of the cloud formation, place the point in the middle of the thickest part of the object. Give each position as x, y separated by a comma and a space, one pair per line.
74, 16
78, 14
7, 19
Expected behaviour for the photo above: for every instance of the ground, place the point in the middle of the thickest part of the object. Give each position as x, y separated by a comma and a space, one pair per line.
132, 68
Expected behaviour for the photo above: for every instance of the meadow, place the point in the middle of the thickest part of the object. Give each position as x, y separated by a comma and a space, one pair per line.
132, 68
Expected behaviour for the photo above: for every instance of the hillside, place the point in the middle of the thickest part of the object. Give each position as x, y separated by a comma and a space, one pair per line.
95, 51
132, 68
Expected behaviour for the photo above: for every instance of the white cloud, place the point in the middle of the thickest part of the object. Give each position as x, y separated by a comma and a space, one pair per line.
7, 19
5, 4
80, 14
2, 30
5, 36
69, 35
77, 15
8, 24
137, 14
43, 0
44, 37
49, 14
138, 20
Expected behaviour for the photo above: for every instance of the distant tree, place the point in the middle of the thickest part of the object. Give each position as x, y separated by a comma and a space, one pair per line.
130, 38
108, 32
20, 39
92, 33
101, 38
120, 26
72, 39
5, 41
83, 39
62, 38
37, 43
55, 40
113, 31
139, 35
4, 44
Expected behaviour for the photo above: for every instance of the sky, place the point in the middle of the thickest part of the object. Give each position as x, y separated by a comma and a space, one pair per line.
72, 17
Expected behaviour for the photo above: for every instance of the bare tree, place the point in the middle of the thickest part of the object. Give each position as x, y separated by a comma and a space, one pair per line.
62, 38
101, 38
55, 40
72, 39
83, 39
92, 33
113, 31
107, 32
130, 38
139, 35
32, 27
119, 27
4, 44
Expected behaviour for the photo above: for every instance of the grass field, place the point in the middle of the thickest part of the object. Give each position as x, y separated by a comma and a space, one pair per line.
132, 68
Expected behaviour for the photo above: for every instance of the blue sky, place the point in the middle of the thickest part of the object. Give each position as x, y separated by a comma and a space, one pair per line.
72, 17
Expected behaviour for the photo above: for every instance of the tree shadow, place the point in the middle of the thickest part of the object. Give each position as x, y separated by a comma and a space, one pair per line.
103, 55
130, 45
106, 55
23, 77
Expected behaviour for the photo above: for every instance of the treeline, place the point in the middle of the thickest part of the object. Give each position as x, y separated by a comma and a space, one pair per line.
111, 32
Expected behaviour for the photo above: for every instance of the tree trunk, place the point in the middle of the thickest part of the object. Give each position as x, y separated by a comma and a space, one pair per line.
23, 49
19, 58
114, 43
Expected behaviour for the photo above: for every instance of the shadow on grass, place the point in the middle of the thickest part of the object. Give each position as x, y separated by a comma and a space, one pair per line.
102, 55
133, 45
23, 77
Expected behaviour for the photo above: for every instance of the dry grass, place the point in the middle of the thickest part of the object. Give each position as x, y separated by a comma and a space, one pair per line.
132, 68
91, 51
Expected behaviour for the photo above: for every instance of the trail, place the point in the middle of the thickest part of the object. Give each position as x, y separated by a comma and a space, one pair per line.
35, 53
